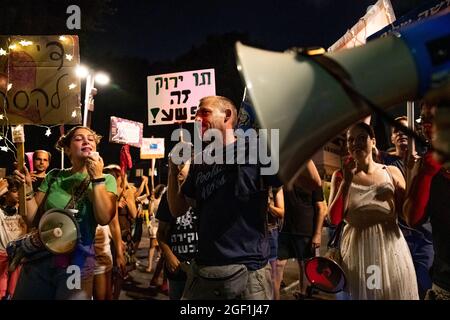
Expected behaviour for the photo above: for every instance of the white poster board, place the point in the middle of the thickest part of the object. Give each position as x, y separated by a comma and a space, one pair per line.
174, 97
152, 148
125, 131
377, 17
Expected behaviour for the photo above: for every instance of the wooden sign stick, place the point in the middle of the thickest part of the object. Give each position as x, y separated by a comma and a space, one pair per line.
153, 174
19, 140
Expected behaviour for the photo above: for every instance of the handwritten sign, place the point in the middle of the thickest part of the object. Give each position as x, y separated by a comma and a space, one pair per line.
377, 17
125, 131
174, 97
152, 148
38, 84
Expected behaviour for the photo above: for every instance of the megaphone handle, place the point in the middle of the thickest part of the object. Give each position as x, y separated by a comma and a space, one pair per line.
153, 174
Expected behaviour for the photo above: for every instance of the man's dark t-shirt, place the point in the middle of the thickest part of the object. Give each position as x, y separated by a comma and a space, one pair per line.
231, 202
393, 160
300, 211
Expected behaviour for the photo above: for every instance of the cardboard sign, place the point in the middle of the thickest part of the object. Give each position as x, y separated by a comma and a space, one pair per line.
174, 97
18, 134
38, 84
377, 17
152, 148
125, 131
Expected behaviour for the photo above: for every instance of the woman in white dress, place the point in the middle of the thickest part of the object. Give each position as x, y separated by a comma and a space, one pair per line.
375, 255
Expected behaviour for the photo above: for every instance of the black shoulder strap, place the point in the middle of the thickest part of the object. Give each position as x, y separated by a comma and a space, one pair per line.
78, 194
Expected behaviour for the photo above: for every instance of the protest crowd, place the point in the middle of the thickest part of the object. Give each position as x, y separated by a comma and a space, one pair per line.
225, 222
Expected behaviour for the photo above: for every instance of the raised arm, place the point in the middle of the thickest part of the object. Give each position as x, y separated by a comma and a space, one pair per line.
130, 198
33, 200
104, 203
178, 203
144, 184
103, 192
417, 197
339, 202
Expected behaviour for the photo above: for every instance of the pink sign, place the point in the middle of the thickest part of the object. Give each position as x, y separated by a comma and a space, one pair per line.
174, 97
125, 131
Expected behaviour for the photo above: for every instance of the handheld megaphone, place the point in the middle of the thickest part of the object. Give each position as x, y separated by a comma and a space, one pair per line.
57, 233
325, 274
298, 96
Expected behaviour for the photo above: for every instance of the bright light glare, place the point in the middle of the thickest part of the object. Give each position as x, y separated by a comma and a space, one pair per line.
102, 78
25, 43
81, 71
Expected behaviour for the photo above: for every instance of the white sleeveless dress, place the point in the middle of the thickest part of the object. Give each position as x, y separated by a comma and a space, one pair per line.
376, 258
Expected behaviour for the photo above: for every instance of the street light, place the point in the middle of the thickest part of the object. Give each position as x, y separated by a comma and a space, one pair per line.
91, 77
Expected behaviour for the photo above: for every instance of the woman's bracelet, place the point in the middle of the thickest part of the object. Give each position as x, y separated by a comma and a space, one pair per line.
98, 181
29, 195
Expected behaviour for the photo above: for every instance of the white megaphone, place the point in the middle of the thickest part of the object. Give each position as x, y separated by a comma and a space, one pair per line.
296, 95
57, 233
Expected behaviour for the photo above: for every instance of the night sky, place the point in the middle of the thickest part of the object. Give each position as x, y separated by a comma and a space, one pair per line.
135, 39
160, 30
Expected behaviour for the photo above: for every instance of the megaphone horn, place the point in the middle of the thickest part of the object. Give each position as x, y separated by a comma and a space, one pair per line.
299, 97
58, 231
